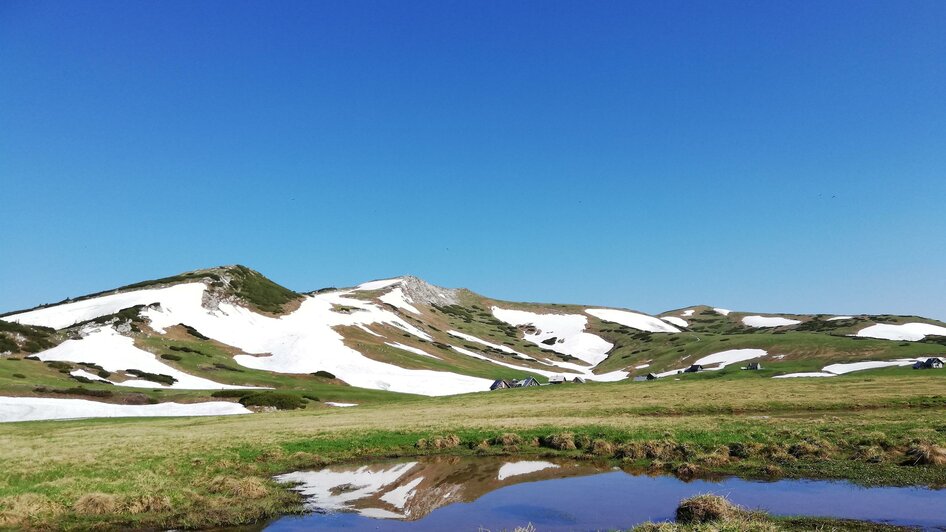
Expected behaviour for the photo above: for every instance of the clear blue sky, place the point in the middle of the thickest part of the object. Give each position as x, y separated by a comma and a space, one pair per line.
766, 156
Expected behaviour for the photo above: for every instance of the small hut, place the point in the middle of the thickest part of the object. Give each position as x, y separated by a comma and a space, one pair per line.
557, 379
501, 384
526, 382
754, 366
694, 368
651, 376
578, 380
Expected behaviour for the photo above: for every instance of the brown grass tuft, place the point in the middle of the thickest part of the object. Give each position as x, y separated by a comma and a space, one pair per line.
445, 442
563, 441
602, 448
687, 471
705, 509
96, 504
507, 439
772, 470
148, 504
20, 510
925, 453
244, 488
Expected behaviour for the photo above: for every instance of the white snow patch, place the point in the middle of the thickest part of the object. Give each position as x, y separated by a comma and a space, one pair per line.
642, 366
340, 405
107, 348
687, 313
378, 285
87, 375
411, 349
768, 321
582, 372
567, 329
636, 320
909, 332
67, 314
503, 348
523, 468
398, 299
679, 322
724, 358
840, 369
39, 408
723, 311
838, 318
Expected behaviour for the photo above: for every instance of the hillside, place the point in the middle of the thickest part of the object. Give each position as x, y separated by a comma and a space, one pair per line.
234, 341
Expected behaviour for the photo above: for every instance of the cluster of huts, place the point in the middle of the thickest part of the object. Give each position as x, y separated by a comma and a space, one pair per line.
502, 384
930, 363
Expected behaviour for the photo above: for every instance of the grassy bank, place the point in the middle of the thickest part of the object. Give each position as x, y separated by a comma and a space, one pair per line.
200, 472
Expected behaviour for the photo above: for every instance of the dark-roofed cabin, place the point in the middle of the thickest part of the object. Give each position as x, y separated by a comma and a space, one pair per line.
651, 376
693, 369
526, 382
578, 380
557, 379
754, 366
930, 363
501, 384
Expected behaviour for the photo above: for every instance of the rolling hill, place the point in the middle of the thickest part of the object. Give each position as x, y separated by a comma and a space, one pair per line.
228, 340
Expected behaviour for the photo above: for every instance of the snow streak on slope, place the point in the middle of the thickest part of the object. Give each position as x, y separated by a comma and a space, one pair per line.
723, 311
398, 299
67, 314
910, 332
636, 320
38, 408
721, 359
841, 369
378, 285
503, 348
411, 349
113, 352
679, 322
568, 331
768, 321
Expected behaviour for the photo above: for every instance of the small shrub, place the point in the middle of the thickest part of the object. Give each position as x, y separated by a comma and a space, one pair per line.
232, 393
103, 374
148, 504
166, 380
281, 401
19, 376
687, 471
324, 374
169, 356
225, 367
312, 398
19, 510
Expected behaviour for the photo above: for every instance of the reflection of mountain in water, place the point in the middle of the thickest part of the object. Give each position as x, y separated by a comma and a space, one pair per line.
411, 490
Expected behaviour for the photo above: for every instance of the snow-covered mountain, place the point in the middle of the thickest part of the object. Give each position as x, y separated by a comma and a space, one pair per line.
231, 328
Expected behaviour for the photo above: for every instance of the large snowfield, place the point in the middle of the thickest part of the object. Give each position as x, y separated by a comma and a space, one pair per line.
568, 330
768, 321
45, 408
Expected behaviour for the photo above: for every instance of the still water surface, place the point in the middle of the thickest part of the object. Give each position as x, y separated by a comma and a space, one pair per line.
450, 493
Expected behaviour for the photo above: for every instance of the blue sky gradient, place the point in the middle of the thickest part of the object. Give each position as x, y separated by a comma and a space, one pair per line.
764, 156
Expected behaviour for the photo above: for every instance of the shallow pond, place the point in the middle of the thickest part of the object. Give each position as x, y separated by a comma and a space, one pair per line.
444, 493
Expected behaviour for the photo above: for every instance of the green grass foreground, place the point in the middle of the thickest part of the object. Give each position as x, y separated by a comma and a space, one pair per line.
203, 472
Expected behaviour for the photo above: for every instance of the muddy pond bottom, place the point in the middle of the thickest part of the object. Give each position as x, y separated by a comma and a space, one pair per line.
452, 493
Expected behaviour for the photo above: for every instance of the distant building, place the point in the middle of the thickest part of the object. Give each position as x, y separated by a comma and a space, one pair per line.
526, 382
754, 366
578, 380
501, 384
930, 363
557, 379
693, 369
651, 376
